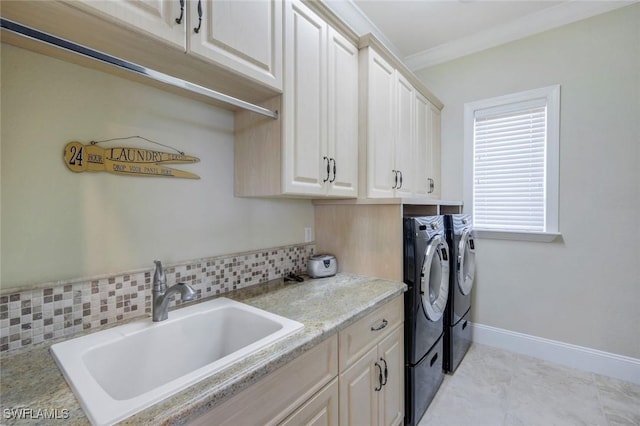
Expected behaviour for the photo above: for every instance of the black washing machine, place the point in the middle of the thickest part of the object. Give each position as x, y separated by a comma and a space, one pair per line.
426, 273
457, 327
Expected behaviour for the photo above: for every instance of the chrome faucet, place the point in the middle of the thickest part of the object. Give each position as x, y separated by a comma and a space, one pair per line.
161, 293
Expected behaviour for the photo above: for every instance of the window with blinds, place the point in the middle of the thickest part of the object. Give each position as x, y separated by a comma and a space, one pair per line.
514, 161
508, 167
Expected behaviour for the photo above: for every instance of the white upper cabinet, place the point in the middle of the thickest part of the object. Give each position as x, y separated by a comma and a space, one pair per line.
427, 144
320, 107
401, 140
342, 134
378, 106
433, 154
162, 20
388, 111
422, 135
306, 162
404, 142
434, 160
312, 149
244, 36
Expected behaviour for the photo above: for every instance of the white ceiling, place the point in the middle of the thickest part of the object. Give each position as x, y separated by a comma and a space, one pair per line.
426, 32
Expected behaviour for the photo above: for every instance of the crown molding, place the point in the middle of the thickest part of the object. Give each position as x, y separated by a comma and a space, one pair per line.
554, 17
355, 18
370, 40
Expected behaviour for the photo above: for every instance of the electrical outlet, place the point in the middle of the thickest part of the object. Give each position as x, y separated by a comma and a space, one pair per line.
308, 235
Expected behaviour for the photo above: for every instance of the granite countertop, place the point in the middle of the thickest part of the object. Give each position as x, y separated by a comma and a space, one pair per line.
30, 379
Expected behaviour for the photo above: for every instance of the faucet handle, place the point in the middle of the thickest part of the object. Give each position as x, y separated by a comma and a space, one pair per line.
159, 278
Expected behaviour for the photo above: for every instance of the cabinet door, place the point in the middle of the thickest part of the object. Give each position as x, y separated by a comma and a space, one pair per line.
304, 117
319, 410
434, 150
358, 397
380, 127
153, 17
391, 401
404, 157
342, 140
243, 36
422, 169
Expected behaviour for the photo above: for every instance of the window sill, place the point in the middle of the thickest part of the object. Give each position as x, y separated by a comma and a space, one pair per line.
539, 237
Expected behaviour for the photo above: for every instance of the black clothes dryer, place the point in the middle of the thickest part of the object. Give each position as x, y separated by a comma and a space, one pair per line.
426, 273
457, 329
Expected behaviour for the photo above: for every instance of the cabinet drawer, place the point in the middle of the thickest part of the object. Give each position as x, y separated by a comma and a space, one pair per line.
277, 395
320, 410
362, 335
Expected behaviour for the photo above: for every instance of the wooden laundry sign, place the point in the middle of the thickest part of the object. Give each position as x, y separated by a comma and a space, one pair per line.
125, 161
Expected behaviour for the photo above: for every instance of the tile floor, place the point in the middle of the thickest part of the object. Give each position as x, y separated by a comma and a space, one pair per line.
493, 387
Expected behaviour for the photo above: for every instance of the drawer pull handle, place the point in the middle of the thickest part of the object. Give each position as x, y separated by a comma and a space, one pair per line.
381, 326
377, 389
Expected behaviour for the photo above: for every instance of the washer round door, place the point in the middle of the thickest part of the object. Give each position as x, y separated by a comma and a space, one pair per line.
434, 281
466, 263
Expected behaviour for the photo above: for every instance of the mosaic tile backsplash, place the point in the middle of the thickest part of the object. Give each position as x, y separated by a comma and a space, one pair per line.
62, 309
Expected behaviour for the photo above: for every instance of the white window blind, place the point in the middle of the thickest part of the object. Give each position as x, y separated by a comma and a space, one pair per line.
509, 167
511, 164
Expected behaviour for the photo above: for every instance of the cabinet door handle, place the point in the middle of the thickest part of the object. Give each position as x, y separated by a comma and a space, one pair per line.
197, 29
386, 372
431, 185
400, 173
381, 326
334, 169
395, 184
377, 389
179, 19
328, 169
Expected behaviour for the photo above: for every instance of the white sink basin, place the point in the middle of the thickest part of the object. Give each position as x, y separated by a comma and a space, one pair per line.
117, 372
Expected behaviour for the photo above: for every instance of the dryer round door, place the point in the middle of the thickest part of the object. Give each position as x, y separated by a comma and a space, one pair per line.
466, 263
434, 281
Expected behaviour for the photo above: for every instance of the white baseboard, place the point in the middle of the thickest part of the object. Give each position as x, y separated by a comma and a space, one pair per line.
586, 359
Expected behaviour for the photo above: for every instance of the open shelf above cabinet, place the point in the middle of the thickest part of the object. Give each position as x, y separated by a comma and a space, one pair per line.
366, 235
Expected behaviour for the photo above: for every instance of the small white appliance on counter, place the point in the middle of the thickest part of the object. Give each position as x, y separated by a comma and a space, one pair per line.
322, 265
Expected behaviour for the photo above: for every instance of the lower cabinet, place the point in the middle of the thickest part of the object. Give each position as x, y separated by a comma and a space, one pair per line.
353, 378
371, 359
372, 389
391, 397
358, 400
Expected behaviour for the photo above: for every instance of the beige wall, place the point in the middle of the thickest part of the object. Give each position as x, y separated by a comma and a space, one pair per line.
585, 288
59, 225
